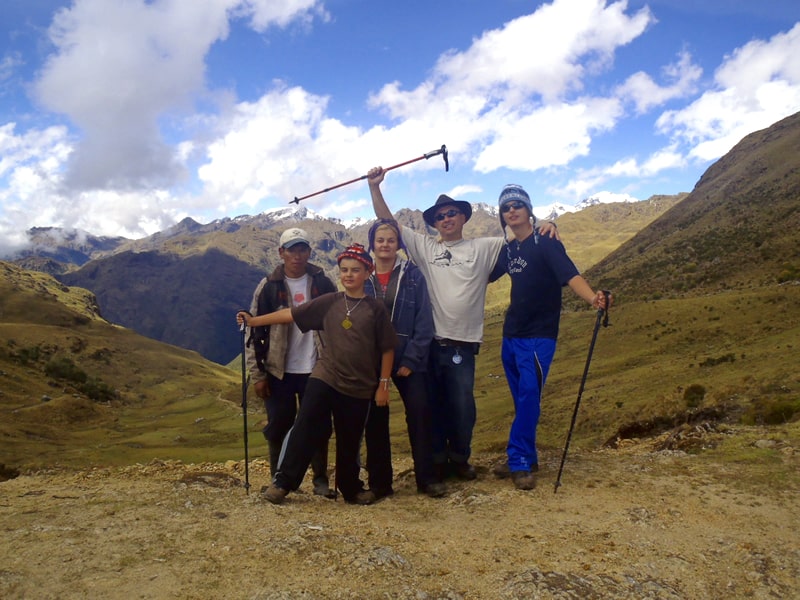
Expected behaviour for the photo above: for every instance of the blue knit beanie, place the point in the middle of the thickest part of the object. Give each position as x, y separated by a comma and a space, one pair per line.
513, 192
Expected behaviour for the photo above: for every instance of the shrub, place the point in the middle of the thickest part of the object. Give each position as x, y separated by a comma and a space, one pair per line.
27, 355
97, 390
64, 368
693, 395
711, 361
772, 411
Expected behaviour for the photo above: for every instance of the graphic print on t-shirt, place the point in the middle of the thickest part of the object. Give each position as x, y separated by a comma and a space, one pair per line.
299, 298
443, 259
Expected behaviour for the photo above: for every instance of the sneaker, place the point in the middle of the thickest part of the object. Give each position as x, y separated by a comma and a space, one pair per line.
464, 471
433, 490
523, 480
364, 497
274, 494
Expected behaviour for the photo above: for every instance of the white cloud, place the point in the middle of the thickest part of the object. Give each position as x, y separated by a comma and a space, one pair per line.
515, 112
756, 86
645, 93
9, 63
460, 191
265, 13
121, 68
551, 136
151, 144
343, 210
281, 138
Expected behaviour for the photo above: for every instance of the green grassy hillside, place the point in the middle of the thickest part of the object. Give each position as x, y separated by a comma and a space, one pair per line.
76, 390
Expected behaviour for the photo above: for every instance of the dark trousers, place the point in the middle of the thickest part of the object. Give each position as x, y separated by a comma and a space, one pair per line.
451, 375
312, 428
281, 409
414, 393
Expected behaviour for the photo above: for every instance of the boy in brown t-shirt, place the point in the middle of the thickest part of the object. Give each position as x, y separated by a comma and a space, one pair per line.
354, 366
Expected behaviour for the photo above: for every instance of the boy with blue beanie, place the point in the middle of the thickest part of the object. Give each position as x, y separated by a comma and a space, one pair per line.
539, 267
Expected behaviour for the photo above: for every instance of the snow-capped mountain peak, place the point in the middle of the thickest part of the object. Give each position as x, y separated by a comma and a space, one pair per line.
604, 198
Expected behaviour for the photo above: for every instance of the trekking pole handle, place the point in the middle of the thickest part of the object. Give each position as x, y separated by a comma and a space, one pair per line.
608, 296
243, 325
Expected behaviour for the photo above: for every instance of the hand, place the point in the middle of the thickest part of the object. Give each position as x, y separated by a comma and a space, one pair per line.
375, 176
382, 396
241, 317
404, 372
262, 388
548, 228
599, 301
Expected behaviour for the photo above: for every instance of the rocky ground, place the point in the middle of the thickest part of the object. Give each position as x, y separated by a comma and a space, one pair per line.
635, 522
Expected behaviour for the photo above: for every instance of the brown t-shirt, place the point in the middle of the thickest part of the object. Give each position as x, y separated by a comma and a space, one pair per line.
350, 360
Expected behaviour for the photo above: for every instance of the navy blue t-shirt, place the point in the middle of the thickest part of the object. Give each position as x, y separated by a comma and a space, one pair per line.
539, 267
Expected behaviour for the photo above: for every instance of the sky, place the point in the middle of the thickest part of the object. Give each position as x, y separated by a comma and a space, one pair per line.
122, 117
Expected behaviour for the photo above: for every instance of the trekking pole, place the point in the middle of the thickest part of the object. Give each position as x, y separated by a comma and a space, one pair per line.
602, 315
243, 330
442, 151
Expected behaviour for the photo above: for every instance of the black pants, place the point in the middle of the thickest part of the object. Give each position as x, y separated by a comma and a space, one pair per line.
413, 391
281, 409
311, 430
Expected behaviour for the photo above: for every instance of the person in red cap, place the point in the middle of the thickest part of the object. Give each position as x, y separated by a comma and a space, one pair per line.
457, 271
354, 366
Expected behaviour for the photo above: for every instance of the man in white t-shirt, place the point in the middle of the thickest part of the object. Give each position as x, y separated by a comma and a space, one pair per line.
457, 272
281, 357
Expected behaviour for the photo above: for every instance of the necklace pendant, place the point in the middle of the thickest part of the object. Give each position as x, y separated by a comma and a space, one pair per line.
347, 323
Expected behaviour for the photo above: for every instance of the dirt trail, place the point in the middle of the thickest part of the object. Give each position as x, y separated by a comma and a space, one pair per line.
629, 523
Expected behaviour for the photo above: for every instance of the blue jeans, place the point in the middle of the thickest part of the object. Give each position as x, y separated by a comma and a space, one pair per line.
526, 362
451, 376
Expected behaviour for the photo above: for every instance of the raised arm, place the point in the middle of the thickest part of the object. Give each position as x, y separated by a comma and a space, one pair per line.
374, 178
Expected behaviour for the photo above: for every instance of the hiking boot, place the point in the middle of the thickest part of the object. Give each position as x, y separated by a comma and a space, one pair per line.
364, 497
381, 492
501, 470
274, 494
433, 490
321, 487
464, 471
523, 480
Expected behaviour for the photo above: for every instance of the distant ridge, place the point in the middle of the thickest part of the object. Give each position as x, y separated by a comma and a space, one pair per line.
739, 227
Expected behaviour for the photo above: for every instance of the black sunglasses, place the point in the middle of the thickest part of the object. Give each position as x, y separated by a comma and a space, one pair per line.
448, 214
515, 204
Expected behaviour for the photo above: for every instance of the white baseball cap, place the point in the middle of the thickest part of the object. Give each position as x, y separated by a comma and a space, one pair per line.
294, 236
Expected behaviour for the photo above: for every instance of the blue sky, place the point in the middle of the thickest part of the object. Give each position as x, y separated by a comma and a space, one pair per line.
121, 117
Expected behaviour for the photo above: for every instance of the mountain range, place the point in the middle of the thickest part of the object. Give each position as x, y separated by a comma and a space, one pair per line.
704, 328
150, 284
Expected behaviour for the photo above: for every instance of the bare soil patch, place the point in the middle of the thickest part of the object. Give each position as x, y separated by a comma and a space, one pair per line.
632, 522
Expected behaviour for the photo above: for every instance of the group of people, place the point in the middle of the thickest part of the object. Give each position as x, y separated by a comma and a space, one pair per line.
415, 323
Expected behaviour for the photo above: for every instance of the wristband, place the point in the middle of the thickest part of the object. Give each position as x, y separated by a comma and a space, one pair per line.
385, 382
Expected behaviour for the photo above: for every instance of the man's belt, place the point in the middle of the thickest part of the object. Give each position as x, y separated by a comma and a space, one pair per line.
449, 342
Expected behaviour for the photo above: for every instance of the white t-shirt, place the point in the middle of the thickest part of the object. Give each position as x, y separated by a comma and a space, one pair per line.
301, 352
457, 274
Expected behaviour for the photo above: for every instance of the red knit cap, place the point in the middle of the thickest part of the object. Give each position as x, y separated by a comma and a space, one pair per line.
356, 252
